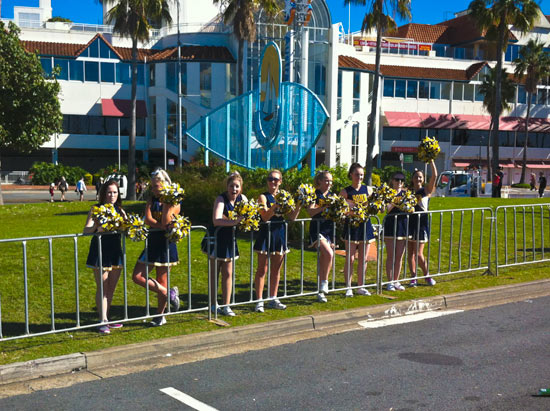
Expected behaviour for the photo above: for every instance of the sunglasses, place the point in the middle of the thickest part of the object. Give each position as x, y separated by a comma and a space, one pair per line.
273, 179
401, 180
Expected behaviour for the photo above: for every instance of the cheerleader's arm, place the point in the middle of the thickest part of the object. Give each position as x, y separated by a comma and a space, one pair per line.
430, 187
90, 226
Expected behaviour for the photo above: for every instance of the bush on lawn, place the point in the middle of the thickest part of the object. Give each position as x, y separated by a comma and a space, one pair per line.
46, 173
522, 185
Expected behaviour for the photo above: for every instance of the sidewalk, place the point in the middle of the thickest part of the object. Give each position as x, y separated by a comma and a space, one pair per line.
194, 347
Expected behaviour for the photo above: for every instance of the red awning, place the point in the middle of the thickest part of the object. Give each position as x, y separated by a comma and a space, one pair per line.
473, 122
122, 108
403, 119
431, 120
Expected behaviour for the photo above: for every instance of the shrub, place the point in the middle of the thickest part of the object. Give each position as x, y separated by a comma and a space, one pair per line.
521, 185
88, 178
375, 179
61, 19
46, 173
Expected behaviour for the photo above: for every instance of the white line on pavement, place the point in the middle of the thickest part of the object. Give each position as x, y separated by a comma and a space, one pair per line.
403, 319
187, 400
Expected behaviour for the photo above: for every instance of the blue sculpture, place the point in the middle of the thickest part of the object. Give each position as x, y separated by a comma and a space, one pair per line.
274, 126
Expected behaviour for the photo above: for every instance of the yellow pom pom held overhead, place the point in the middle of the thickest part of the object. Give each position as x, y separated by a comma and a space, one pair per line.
171, 194
428, 149
285, 201
305, 195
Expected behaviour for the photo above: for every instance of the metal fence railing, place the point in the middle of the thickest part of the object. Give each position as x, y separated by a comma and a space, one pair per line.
46, 287
521, 233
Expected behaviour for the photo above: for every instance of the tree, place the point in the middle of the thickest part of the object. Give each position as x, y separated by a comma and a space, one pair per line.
494, 17
533, 63
488, 90
240, 14
29, 108
134, 19
378, 17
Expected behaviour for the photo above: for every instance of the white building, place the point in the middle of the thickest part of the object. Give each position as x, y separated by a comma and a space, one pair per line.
430, 86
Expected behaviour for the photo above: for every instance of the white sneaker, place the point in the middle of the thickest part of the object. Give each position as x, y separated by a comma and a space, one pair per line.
321, 298
324, 287
363, 291
259, 307
227, 311
158, 321
276, 304
390, 287
349, 292
398, 286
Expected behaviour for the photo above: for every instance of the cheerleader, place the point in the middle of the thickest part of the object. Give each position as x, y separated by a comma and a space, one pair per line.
356, 238
111, 255
419, 227
321, 231
276, 237
159, 254
395, 236
222, 247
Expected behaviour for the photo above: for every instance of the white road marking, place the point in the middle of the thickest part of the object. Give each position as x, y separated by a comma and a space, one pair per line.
409, 318
187, 400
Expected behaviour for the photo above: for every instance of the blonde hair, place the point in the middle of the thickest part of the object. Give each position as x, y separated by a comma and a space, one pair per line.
275, 171
320, 176
235, 175
160, 175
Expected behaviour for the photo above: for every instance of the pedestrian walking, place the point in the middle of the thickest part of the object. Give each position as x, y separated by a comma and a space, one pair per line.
63, 186
81, 188
542, 184
98, 184
51, 190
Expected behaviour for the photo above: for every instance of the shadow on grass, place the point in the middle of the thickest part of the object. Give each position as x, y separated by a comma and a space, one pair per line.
71, 213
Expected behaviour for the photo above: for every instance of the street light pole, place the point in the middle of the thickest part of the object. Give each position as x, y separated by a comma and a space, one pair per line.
180, 137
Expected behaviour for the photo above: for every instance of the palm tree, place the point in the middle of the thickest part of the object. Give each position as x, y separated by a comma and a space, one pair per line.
378, 17
533, 63
240, 14
488, 90
133, 19
494, 17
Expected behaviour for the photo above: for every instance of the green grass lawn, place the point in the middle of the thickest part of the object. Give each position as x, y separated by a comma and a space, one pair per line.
449, 252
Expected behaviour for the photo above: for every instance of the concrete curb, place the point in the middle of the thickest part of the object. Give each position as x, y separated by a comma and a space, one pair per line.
138, 352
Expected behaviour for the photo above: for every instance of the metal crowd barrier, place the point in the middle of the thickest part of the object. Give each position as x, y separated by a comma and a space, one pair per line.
460, 241
525, 244
454, 228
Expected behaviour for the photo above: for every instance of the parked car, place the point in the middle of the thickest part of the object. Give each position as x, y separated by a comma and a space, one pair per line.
122, 181
458, 184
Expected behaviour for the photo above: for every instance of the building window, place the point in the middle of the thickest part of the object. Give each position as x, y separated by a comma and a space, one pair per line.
478, 95
63, 65
468, 92
412, 89
100, 125
91, 71
355, 143
171, 83
153, 117
206, 84
171, 120
123, 73
400, 86
356, 91
231, 82
46, 63
76, 70
107, 72
183, 78
184, 127
423, 89
339, 98
388, 87
446, 90
152, 75
435, 90
457, 91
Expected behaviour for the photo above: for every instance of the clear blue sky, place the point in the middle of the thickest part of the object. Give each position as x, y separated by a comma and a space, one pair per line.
423, 11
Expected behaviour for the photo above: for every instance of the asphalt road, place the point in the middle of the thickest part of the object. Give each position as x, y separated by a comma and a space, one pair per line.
489, 359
